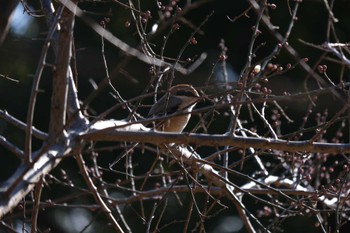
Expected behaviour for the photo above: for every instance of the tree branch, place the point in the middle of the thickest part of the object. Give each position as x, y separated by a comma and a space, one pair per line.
293, 53
117, 133
9, 146
61, 74
14, 189
21, 125
95, 193
119, 43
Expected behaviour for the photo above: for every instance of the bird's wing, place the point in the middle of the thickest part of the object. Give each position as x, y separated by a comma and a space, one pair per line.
165, 105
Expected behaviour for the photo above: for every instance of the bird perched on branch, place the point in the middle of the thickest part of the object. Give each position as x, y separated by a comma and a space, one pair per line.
181, 99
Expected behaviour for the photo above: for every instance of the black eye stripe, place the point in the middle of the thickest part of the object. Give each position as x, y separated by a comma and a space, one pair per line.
186, 93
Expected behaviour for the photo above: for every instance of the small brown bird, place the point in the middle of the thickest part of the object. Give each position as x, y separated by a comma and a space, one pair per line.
181, 99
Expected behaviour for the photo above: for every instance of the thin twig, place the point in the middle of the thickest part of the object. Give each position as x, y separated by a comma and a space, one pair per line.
96, 195
8, 78
117, 42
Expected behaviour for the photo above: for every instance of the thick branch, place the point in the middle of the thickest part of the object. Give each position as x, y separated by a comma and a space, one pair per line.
73, 109
60, 78
215, 140
14, 189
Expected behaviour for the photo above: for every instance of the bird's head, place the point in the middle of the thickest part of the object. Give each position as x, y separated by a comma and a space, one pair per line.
181, 99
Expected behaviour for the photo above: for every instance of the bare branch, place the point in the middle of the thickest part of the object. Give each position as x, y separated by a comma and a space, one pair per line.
95, 193
61, 74
118, 43
21, 125
35, 211
12, 148
14, 189
213, 140
292, 52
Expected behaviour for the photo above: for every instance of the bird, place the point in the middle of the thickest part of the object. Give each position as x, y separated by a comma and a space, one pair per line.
182, 98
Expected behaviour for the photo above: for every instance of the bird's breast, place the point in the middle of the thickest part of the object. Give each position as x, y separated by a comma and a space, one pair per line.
175, 124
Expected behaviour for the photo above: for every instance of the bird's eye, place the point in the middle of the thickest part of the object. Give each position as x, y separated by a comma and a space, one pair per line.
186, 93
